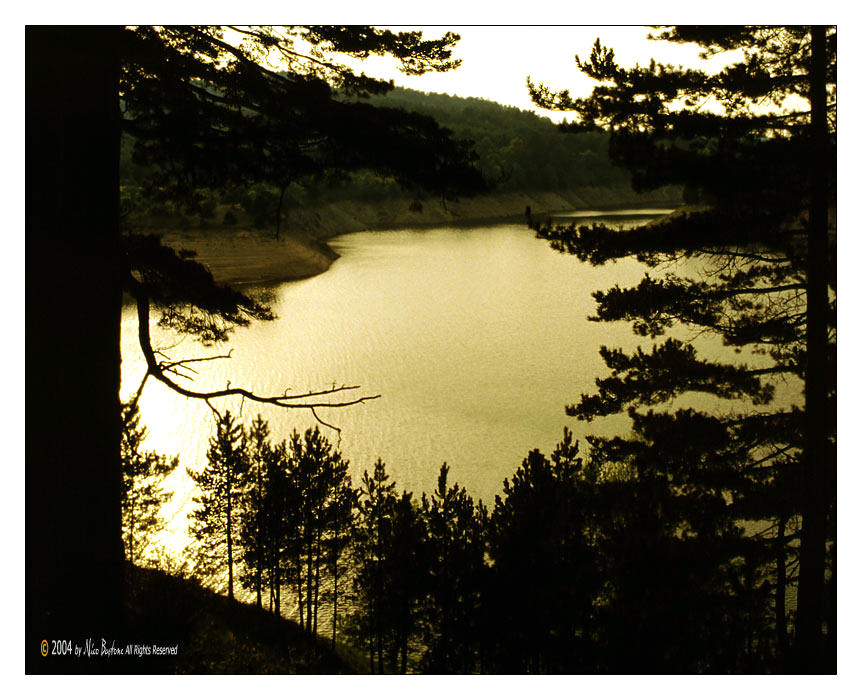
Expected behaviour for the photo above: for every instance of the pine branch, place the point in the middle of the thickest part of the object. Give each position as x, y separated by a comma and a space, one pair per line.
157, 370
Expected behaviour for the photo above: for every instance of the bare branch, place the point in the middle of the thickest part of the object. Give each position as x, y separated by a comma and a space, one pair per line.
323, 422
137, 395
157, 370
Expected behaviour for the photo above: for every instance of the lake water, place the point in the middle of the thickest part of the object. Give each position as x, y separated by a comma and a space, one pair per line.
476, 338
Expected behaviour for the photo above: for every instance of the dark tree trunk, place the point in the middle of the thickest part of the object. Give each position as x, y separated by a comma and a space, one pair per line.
378, 627
74, 545
334, 601
781, 593
278, 214
317, 562
130, 548
371, 638
404, 636
259, 539
277, 589
309, 589
817, 453
336, 529
229, 536
299, 585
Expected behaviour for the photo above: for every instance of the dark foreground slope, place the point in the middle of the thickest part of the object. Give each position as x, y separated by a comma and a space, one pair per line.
175, 626
217, 635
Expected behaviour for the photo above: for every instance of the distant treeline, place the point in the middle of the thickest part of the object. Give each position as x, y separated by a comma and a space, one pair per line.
579, 567
518, 151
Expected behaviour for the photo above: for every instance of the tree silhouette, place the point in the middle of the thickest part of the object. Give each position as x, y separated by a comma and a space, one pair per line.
390, 553
277, 505
254, 531
407, 578
201, 109
758, 273
240, 122
545, 580
143, 495
456, 543
222, 485
316, 482
341, 516
686, 590
372, 531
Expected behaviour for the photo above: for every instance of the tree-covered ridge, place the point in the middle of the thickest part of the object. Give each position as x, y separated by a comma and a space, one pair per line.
518, 151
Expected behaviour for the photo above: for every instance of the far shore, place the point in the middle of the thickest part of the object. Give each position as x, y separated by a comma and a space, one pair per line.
241, 256
254, 257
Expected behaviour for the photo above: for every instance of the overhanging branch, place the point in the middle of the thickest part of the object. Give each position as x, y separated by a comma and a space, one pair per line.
157, 369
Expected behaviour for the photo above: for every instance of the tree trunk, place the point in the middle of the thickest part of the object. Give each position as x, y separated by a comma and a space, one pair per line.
259, 539
229, 538
317, 557
309, 582
378, 594
403, 641
780, 594
817, 453
334, 599
299, 584
278, 215
130, 549
334, 563
371, 637
277, 588
73, 482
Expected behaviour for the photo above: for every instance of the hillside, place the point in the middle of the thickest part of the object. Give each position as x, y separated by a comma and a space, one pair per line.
518, 150
520, 153
529, 160
199, 631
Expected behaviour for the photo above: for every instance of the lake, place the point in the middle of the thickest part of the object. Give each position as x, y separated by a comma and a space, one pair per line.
476, 338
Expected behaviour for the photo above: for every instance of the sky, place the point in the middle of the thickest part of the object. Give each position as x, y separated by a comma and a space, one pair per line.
498, 59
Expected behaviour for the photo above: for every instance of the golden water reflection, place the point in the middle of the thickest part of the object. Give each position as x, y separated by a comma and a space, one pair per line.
476, 338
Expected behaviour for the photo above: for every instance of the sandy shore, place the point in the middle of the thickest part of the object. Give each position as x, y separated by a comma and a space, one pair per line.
247, 257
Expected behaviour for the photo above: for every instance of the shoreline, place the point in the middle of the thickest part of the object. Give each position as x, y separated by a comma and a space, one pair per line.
244, 256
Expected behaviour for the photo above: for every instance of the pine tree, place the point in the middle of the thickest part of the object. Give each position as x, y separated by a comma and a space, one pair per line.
456, 544
371, 535
278, 507
143, 495
341, 517
317, 483
254, 515
761, 277
544, 582
685, 589
407, 577
390, 555
222, 485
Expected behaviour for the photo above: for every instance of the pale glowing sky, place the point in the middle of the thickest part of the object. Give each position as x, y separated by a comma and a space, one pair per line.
498, 59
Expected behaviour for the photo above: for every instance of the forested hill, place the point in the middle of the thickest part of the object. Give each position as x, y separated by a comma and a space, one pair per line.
518, 149
526, 157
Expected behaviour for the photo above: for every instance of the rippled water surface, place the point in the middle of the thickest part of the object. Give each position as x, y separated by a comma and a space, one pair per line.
475, 337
